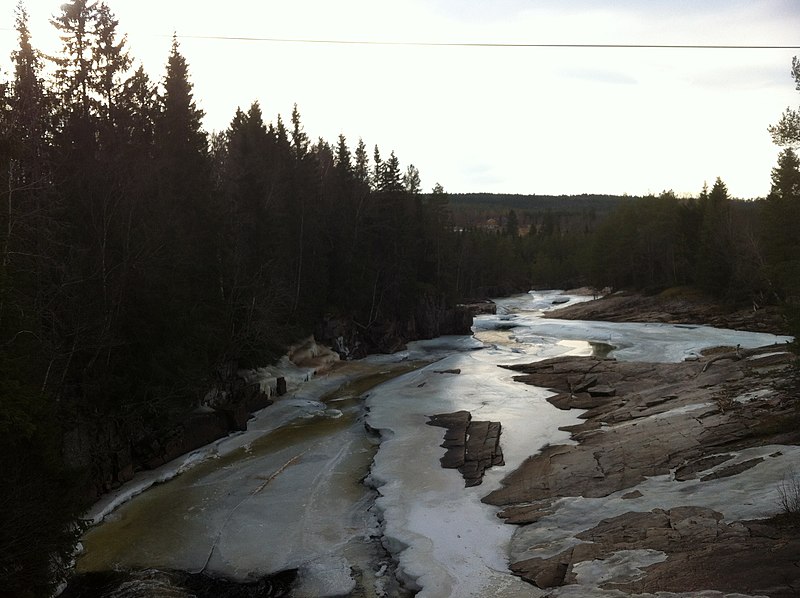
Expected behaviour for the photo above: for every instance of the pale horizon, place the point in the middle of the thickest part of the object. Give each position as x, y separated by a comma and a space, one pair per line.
523, 120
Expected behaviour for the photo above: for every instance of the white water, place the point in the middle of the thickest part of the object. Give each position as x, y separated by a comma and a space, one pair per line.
257, 508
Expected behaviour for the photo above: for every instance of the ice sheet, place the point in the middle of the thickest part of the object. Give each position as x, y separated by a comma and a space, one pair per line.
447, 542
248, 507
454, 542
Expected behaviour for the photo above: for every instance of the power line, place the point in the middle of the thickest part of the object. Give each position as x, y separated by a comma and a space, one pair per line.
352, 42
346, 42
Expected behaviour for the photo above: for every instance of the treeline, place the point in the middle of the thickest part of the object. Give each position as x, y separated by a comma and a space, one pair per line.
477, 209
740, 252
140, 257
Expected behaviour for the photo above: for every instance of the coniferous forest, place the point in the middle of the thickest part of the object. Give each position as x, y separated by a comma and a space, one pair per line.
141, 257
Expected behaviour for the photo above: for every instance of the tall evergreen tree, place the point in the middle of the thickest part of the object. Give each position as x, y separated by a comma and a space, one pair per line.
111, 64
361, 166
77, 28
714, 261
390, 180
781, 221
179, 130
344, 164
28, 103
411, 180
377, 169
300, 141
786, 176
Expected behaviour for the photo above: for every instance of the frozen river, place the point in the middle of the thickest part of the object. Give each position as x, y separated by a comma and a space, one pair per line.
341, 481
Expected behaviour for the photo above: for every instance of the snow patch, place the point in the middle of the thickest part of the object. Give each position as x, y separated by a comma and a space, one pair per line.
623, 566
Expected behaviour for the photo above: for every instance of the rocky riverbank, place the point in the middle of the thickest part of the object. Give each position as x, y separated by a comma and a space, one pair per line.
676, 306
109, 452
680, 478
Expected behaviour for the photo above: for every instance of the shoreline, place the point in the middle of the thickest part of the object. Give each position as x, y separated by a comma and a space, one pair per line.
673, 464
673, 306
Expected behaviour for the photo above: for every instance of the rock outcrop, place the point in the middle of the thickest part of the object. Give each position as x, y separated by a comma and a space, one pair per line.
675, 308
685, 421
702, 551
431, 318
472, 446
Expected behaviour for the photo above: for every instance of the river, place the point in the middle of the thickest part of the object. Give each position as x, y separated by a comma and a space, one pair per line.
339, 483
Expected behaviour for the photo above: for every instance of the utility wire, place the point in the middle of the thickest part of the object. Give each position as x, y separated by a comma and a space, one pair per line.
351, 42
284, 40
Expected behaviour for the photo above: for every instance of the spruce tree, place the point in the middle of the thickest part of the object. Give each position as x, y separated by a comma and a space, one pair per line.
361, 166
77, 28
111, 64
377, 170
786, 177
344, 164
390, 179
715, 253
411, 180
781, 221
180, 136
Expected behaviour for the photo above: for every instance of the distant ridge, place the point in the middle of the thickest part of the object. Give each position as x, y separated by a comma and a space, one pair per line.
537, 203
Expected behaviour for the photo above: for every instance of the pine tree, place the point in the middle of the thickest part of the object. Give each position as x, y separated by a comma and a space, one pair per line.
782, 214
390, 180
344, 164
180, 135
28, 101
377, 170
715, 259
136, 113
787, 131
76, 26
361, 167
786, 177
299, 138
781, 221
111, 64
411, 180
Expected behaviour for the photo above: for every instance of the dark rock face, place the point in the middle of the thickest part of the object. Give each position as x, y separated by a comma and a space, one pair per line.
102, 450
431, 318
472, 446
109, 452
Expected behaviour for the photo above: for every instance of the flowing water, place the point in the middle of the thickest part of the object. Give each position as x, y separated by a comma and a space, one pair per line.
346, 496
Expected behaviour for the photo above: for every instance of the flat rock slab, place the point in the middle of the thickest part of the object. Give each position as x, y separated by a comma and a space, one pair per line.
684, 420
688, 309
472, 446
703, 551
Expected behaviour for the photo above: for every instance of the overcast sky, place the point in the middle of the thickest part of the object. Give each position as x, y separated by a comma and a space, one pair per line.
498, 119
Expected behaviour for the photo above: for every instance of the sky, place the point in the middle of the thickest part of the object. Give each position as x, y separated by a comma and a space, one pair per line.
487, 118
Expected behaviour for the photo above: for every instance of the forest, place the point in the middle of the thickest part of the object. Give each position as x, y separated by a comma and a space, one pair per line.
141, 256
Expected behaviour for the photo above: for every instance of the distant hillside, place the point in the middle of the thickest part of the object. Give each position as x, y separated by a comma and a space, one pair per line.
477, 209
535, 203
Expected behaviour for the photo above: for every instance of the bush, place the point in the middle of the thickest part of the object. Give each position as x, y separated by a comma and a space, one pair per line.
789, 495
